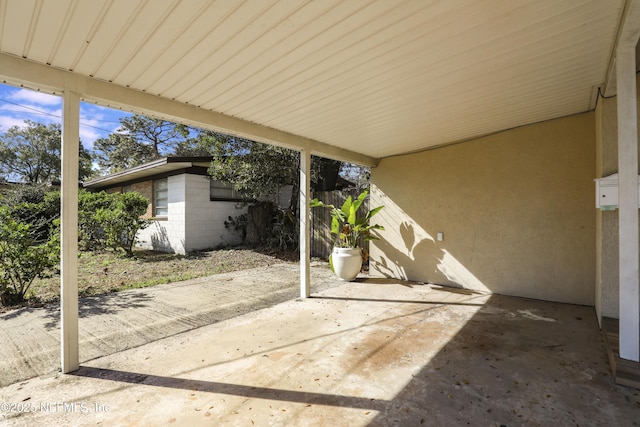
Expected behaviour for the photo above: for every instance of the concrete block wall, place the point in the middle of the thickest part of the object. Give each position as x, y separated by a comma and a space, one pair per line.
204, 219
193, 222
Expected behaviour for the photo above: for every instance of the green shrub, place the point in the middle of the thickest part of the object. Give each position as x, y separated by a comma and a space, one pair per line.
110, 220
91, 235
22, 258
30, 233
38, 206
266, 225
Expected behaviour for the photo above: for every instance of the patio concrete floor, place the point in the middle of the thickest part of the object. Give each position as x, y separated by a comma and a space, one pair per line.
375, 352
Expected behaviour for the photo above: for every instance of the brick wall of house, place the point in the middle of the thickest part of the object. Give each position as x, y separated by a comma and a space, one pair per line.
145, 189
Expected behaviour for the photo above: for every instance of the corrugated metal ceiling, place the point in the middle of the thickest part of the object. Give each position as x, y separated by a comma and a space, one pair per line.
377, 77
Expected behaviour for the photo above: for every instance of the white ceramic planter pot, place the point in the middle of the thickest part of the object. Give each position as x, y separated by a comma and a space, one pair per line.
347, 263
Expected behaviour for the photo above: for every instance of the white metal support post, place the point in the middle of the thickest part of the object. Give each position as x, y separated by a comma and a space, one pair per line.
69, 233
305, 226
628, 202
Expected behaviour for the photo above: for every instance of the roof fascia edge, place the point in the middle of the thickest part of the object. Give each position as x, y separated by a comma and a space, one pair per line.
126, 172
628, 31
23, 72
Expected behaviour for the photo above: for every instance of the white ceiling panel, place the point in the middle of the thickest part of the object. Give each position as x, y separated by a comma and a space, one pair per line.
16, 20
377, 77
73, 33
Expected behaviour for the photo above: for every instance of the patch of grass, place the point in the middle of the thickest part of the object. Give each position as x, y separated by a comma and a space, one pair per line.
104, 272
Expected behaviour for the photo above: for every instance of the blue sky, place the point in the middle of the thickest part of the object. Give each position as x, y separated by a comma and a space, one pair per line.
17, 105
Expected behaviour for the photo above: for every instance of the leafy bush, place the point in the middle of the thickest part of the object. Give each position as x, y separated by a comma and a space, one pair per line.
30, 233
22, 258
34, 205
110, 220
283, 234
266, 225
91, 235
121, 220
238, 225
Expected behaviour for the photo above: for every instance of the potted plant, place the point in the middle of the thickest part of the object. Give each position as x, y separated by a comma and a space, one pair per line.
351, 232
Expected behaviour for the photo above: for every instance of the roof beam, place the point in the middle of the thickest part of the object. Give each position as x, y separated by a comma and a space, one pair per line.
21, 72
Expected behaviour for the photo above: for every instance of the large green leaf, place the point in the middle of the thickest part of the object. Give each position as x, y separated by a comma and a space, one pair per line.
373, 211
350, 229
335, 225
355, 206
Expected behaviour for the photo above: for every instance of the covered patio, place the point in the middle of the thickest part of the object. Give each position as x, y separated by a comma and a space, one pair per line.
375, 352
485, 124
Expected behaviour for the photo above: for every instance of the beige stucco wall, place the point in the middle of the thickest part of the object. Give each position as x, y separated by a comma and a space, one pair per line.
607, 269
606, 221
516, 210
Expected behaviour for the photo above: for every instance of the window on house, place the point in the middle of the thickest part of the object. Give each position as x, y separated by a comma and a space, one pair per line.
160, 197
222, 191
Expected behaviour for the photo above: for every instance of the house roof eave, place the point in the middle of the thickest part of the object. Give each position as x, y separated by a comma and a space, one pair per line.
160, 166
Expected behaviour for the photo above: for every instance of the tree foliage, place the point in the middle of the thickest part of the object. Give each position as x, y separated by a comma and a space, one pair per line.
118, 152
31, 154
201, 143
138, 140
259, 171
161, 135
255, 170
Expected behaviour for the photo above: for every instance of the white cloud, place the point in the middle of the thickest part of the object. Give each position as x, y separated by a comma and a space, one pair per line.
11, 108
7, 122
88, 135
23, 104
33, 97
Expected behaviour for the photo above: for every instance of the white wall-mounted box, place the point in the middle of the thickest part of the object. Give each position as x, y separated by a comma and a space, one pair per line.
607, 192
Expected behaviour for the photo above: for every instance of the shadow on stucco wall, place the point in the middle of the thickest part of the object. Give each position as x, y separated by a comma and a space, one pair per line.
440, 267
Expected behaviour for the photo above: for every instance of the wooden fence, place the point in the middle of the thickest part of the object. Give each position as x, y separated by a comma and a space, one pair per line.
321, 239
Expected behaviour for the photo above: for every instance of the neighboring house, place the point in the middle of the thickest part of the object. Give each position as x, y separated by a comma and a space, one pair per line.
188, 208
